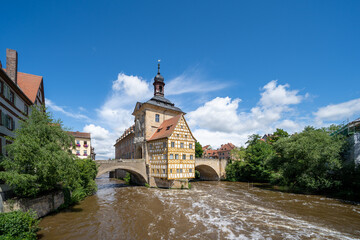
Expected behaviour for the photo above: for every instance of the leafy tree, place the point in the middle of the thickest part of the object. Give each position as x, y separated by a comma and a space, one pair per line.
279, 133
253, 139
309, 160
238, 154
254, 166
198, 150
39, 159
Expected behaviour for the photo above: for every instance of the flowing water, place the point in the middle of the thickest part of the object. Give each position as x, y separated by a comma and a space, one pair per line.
210, 210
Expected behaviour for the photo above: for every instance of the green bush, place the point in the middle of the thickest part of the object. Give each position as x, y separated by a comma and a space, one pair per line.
18, 225
127, 178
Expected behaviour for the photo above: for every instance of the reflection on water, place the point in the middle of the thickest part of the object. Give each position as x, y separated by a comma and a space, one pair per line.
210, 210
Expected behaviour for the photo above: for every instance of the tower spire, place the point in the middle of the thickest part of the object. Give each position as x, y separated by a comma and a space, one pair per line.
159, 83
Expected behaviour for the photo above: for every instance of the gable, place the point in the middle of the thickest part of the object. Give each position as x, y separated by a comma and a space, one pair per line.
183, 128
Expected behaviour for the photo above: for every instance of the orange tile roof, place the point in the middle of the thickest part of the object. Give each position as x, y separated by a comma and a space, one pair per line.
166, 128
80, 134
227, 147
29, 84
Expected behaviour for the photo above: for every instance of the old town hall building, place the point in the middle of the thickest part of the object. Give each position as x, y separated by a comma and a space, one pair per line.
163, 138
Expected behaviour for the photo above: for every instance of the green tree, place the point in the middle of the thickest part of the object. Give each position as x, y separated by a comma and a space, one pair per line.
309, 161
198, 150
253, 139
39, 159
279, 133
238, 154
254, 166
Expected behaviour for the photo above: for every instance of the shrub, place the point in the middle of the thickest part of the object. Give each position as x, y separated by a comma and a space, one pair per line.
18, 225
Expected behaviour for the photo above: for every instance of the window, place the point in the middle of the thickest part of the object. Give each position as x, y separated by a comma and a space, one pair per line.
157, 118
190, 170
26, 109
9, 122
176, 156
12, 97
181, 145
181, 170
191, 157
190, 145
171, 156
184, 156
172, 144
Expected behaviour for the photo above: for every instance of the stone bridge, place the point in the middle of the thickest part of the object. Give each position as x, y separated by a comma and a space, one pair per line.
210, 169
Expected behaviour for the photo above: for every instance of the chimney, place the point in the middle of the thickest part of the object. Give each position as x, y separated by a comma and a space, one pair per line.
11, 64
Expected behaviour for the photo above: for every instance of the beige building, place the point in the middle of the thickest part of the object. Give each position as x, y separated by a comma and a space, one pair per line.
18, 91
162, 137
83, 147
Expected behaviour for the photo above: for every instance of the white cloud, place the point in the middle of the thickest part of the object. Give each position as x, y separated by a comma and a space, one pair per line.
192, 81
57, 108
279, 95
102, 140
219, 119
341, 111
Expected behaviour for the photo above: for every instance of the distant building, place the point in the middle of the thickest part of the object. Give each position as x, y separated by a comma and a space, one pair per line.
209, 153
18, 91
83, 147
124, 146
224, 151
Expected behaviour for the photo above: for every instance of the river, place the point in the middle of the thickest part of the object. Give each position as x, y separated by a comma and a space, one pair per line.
210, 210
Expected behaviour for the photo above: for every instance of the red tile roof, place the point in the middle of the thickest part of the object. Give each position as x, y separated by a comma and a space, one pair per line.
29, 84
227, 147
166, 128
80, 134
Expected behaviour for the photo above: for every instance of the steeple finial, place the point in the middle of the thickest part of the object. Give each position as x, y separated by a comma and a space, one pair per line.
159, 66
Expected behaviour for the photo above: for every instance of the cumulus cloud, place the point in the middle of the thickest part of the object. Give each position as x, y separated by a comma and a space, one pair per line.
341, 111
220, 118
102, 140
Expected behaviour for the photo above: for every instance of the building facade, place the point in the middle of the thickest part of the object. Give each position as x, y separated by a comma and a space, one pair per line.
18, 91
124, 146
162, 137
83, 147
224, 151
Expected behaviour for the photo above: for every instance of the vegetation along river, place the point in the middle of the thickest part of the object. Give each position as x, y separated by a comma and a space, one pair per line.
210, 210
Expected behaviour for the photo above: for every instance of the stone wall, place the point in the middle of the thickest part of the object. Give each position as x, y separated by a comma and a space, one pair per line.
41, 205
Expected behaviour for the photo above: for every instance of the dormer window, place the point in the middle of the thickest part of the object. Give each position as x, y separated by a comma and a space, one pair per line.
157, 118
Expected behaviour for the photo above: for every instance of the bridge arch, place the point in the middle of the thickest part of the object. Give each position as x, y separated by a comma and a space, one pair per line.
207, 172
139, 177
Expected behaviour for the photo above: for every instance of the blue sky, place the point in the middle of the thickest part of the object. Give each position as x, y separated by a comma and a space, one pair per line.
236, 67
